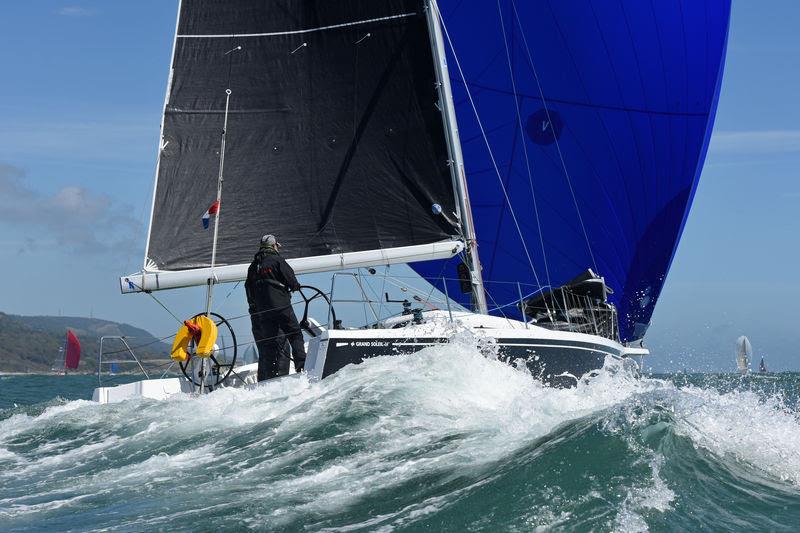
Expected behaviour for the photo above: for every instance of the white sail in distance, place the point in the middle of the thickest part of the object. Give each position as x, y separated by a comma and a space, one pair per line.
744, 354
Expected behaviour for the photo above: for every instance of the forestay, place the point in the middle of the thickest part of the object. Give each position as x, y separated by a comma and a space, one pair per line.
334, 142
598, 117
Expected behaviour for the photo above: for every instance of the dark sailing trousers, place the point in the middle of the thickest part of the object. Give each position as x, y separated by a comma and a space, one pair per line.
273, 330
271, 363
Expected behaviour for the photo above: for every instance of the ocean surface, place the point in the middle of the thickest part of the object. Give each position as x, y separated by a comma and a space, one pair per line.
444, 440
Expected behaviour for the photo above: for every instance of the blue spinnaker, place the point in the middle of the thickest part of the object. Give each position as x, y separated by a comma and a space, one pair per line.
616, 102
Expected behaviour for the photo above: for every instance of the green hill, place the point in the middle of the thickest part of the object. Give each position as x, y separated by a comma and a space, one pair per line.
31, 343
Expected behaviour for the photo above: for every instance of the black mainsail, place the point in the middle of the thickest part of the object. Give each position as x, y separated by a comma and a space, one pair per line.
335, 138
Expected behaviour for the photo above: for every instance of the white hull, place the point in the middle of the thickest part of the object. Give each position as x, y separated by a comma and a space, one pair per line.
558, 358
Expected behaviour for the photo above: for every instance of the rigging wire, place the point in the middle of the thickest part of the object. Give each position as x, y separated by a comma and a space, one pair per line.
498, 307
233, 289
555, 138
383, 287
393, 280
488, 145
150, 294
441, 275
524, 145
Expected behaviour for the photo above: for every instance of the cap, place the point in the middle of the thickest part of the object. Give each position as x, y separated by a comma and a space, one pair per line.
269, 240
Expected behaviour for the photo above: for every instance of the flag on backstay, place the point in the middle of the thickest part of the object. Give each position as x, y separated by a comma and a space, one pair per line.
211, 211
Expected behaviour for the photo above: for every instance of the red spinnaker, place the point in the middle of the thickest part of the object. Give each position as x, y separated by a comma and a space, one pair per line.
73, 351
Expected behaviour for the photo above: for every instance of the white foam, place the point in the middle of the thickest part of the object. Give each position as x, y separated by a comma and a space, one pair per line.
467, 410
17, 509
318, 447
8, 456
21, 422
760, 432
655, 496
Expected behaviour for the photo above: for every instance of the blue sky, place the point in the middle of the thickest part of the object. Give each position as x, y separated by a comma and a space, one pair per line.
80, 99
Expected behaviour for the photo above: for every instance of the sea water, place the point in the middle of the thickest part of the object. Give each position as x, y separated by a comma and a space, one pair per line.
443, 440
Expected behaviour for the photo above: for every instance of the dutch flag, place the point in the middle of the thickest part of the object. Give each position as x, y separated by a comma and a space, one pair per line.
213, 210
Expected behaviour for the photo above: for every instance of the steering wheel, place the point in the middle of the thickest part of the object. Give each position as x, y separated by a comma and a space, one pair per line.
219, 370
317, 294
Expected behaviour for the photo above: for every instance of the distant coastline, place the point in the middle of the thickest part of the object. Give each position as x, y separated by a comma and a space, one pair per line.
30, 344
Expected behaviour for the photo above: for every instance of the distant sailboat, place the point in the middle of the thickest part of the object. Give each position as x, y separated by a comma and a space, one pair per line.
762, 368
744, 354
59, 363
69, 355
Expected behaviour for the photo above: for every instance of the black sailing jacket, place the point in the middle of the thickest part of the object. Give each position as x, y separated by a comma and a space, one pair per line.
269, 280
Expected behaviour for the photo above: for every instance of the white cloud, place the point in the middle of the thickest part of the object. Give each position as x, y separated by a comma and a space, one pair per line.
76, 11
73, 218
755, 142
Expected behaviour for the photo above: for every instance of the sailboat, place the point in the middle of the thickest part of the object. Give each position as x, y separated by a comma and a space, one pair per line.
744, 354
533, 161
69, 355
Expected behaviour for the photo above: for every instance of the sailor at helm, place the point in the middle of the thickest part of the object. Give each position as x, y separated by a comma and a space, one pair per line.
269, 281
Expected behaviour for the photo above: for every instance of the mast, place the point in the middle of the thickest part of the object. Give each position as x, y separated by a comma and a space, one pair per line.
456, 158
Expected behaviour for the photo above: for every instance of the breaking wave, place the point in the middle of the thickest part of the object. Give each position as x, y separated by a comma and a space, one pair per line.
445, 439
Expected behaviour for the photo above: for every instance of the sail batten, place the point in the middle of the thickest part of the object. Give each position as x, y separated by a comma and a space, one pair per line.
334, 141
297, 32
